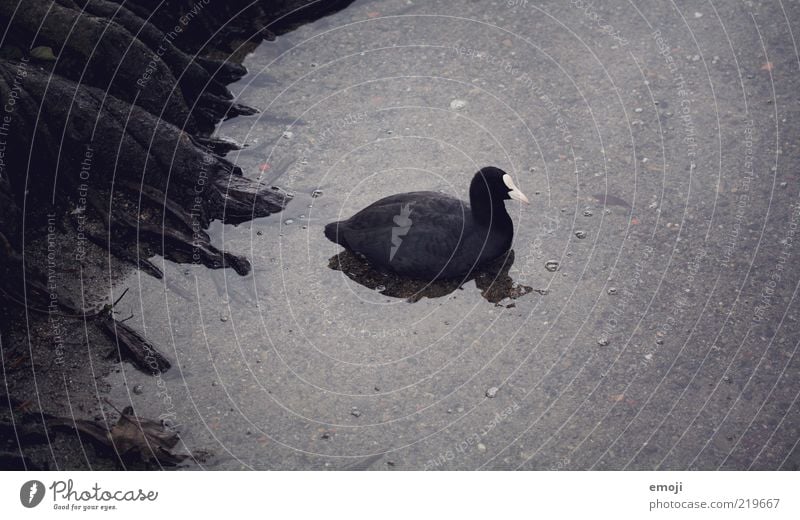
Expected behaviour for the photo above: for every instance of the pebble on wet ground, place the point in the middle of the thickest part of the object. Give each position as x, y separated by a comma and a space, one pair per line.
492, 392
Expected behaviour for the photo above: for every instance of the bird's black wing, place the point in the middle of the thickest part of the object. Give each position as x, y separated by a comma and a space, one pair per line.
411, 233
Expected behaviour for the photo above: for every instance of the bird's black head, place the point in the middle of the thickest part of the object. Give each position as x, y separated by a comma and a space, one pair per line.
489, 188
492, 186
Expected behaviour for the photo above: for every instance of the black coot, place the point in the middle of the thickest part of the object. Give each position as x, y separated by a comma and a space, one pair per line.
429, 235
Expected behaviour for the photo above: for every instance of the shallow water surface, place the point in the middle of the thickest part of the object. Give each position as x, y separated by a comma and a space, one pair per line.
591, 363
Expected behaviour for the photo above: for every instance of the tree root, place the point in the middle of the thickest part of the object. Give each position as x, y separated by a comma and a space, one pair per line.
134, 347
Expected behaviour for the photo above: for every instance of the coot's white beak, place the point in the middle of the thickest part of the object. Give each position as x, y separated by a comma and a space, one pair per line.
514, 193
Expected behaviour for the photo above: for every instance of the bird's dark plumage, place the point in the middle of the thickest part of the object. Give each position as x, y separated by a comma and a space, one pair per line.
430, 235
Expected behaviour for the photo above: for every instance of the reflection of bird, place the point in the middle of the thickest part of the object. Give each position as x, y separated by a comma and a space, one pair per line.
32, 492
492, 279
449, 238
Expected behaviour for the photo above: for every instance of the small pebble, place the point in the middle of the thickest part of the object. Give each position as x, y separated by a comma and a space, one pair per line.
138, 389
288, 135
355, 412
458, 104
580, 234
481, 446
223, 318
603, 342
551, 265
612, 290
316, 194
638, 110
492, 392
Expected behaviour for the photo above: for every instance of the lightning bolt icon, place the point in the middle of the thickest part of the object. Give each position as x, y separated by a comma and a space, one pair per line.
32, 494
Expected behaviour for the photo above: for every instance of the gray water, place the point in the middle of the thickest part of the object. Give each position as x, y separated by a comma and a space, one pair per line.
639, 346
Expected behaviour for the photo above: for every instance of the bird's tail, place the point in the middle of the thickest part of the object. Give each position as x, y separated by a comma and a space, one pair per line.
333, 234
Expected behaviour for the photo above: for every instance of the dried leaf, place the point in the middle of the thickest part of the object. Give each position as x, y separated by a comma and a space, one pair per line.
43, 53
131, 437
144, 438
